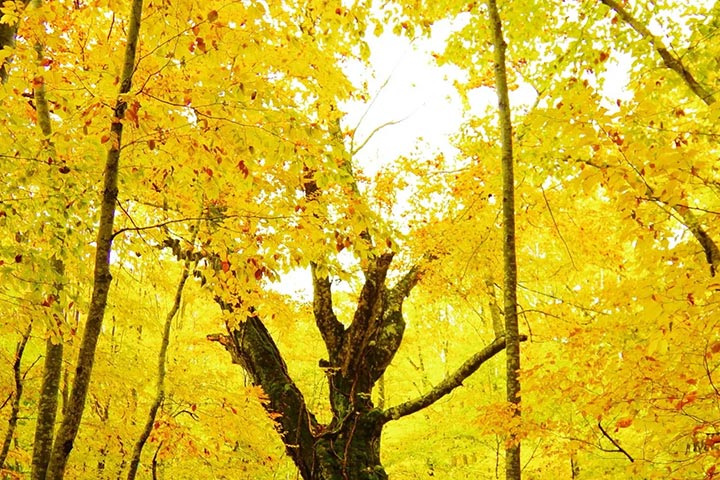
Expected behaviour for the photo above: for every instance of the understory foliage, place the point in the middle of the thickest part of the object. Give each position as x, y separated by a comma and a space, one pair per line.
343, 319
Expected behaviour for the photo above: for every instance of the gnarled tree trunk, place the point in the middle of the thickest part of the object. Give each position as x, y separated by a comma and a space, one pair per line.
348, 447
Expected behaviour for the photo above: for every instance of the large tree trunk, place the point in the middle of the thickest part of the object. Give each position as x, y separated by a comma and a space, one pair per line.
348, 447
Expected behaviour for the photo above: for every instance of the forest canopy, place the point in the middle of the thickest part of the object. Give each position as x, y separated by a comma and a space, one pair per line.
205, 274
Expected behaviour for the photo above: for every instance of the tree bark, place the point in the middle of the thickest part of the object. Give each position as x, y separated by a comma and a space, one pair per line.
512, 347
670, 59
102, 278
7, 39
47, 409
348, 447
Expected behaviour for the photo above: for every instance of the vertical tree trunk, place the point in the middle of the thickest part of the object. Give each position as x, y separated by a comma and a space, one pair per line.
160, 389
47, 409
15, 409
47, 403
102, 278
512, 455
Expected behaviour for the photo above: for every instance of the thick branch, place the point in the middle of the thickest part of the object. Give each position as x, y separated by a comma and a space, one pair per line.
367, 320
712, 253
331, 329
392, 327
671, 61
402, 288
251, 346
449, 384
374, 285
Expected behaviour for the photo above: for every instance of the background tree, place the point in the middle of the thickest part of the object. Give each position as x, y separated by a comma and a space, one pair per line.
512, 459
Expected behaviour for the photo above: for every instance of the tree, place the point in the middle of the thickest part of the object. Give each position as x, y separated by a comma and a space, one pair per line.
16, 396
102, 279
237, 113
162, 369
512, 458
348, 446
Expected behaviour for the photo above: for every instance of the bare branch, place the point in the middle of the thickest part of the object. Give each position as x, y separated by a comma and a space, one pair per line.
615, 443
376, 130
557, 228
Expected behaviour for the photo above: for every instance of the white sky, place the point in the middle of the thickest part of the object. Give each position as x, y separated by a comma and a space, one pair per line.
421, 96
418, 93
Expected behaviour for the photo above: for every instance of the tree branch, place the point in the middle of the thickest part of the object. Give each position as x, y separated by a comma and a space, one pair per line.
331, 329
401, 290
390, 333
449, 384
374, 285
684, 215
615, 443
251, 346
368, 314
671, 61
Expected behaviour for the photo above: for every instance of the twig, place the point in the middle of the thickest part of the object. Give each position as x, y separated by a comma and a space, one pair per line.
557, 228
615, 443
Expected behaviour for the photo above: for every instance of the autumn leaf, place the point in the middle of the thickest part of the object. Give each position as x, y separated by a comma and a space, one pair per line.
624, 422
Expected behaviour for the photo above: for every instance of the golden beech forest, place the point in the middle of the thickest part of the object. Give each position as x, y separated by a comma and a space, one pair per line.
204, 275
